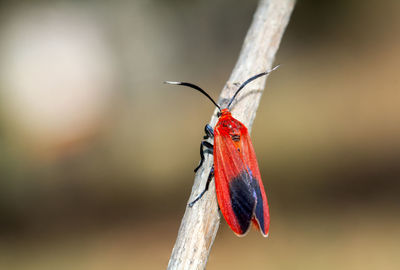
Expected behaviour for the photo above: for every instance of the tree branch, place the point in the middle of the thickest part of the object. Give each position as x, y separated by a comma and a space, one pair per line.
200, 223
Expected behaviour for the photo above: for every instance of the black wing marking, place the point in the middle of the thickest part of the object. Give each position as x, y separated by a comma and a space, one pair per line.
243, 199
259, 210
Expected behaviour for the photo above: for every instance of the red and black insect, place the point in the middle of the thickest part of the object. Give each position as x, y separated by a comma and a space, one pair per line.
240, 191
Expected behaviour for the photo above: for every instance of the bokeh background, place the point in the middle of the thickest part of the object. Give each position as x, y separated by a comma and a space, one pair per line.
97, 155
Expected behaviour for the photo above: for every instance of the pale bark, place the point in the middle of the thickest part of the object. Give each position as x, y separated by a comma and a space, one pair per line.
200, 223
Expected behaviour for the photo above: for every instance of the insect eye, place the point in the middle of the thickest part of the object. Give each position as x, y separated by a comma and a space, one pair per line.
218, 114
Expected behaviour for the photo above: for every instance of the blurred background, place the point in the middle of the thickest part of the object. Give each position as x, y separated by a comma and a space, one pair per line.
97, 155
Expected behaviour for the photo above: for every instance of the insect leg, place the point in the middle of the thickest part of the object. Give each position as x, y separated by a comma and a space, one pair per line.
209, 132
210, 176
208, 146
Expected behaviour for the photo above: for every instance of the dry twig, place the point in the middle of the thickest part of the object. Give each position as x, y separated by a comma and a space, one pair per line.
200, 223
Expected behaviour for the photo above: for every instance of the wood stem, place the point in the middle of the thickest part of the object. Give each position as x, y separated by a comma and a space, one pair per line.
200, 223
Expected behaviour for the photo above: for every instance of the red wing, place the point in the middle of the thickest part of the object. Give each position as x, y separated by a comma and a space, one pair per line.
261, 212
235, 192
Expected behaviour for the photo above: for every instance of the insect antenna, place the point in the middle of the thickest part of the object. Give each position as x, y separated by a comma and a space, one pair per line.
250, 80
197, 88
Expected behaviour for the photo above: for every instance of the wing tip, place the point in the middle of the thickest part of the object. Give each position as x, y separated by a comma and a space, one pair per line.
242, 234
264, 230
